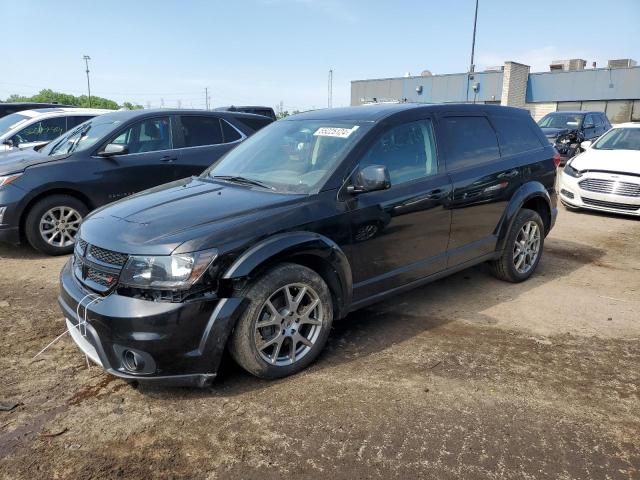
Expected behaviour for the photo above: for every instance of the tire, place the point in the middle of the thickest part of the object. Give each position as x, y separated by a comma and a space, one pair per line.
517, 266
284, 325
64, 208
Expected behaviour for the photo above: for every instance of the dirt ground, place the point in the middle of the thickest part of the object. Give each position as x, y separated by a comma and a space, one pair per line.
467, 377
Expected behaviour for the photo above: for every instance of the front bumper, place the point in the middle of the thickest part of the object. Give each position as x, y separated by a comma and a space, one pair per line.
10, 198
574, 195
174, 343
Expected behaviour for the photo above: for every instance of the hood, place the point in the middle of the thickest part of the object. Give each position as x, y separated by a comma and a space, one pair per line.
618, 161
17, 161
555, 132
194, 213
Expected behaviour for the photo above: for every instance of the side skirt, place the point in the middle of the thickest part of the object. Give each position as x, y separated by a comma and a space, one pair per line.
431, 278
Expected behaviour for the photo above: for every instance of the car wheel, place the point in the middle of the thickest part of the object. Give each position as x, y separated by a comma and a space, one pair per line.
53, 222
286, 323
523, 248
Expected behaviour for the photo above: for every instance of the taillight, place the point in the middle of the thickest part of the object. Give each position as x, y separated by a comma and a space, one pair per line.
556, 159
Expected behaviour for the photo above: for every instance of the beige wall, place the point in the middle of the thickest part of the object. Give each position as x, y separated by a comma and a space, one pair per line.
514, 84
539, 110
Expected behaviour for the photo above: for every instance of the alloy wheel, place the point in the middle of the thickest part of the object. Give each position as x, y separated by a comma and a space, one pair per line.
288, 324
59, 225
527, 247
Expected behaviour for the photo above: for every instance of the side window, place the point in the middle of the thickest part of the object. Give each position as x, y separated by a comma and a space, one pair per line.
149, 135
229, 133
589, 121
471, 141
199, 131
605, 121
516, 134
43, 131
75, 121
408, 151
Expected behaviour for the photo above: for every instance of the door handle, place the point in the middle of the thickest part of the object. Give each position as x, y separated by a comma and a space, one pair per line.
168, 159
509, 174
436, 194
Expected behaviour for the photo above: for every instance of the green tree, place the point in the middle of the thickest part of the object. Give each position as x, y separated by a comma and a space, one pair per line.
49, 96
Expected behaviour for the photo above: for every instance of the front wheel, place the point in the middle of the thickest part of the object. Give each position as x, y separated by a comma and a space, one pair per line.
523, 248
53, 222
286, 323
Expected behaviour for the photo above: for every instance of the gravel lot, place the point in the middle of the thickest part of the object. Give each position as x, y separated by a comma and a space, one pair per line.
467, 377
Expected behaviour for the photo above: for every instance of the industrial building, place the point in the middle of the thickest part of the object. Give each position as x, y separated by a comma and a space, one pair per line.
566, 86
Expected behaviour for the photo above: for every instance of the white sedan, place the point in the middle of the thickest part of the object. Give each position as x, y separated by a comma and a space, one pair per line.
606, 176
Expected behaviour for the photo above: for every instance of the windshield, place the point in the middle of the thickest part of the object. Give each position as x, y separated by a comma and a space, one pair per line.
619, 139
561, 120
11, 121
81, 138
292, 156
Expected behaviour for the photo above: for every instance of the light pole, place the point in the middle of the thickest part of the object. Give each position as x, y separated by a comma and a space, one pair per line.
472, 67
86, 59
330, 87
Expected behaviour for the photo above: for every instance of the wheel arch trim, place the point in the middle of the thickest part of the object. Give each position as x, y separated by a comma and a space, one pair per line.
288, 246
528, 191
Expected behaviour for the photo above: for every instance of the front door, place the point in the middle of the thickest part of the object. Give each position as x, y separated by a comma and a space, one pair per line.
149, 160
400, 235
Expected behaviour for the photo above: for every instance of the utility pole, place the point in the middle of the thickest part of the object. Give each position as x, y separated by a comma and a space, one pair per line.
86, 59
206, 98
330, 88
472, 67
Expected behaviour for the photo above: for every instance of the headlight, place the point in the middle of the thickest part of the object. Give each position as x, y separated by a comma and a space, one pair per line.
572, 172
167, 272
564, 140
7, 179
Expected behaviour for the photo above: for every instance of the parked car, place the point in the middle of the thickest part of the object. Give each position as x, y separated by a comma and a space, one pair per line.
45, 194
566, 130
606, 176
261, 252
35, 128
264, 111
7, 108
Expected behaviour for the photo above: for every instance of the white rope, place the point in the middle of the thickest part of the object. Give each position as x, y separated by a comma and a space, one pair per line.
51, 343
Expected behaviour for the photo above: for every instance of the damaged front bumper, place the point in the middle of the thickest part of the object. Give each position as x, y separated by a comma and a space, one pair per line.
162, 342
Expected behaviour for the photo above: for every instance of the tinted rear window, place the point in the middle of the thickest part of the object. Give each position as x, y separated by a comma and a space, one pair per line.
201, 131
516, 134
255, 123
471, 141
229, 133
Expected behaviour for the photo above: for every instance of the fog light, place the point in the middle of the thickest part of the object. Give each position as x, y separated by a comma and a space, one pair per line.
567, 193
132, 361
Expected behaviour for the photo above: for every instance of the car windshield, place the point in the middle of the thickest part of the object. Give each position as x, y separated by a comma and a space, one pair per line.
561, 120
291, 156
619, 139
81, 138
11, 121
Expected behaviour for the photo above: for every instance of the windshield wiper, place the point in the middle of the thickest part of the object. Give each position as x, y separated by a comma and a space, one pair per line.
243, 180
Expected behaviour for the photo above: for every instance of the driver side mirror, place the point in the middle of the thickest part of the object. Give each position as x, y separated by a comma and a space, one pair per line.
112, 149
370, 179
9, 143
586, 144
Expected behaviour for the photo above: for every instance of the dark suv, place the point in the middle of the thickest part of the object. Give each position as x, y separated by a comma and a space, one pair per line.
566, 130
309, 219
45, 194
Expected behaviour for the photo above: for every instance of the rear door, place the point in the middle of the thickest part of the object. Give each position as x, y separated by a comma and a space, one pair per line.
149, 161
483, 179
202, 140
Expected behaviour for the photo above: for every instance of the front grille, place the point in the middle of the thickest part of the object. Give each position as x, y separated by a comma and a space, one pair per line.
612, 205
107, 256
601, 185
97, 268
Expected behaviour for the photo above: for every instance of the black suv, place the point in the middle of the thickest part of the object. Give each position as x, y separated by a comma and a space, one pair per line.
566, 130
12, 107
311, 218
257, 110
45, 194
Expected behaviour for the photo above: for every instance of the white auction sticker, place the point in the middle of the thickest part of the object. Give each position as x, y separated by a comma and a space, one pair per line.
335, 132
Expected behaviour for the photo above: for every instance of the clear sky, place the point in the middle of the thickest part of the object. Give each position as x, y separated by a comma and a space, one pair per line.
267, 51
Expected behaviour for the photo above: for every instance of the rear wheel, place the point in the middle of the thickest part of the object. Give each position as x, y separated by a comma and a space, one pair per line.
286, 323
523, 248
53, 222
